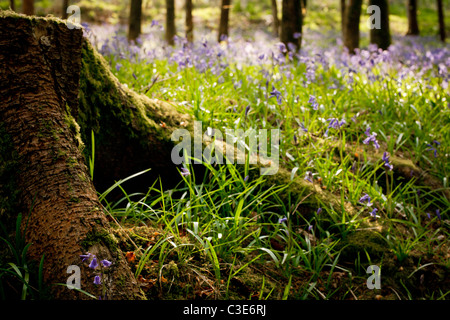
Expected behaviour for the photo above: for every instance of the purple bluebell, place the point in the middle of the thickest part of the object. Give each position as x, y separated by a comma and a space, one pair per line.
387, 164
438, 214
371, 137
374, 212
276, 93
185, 172
97, 280
105, 263
282, 220
319, 211
365, 198
309, 176
310, 227
313, 102
94, 263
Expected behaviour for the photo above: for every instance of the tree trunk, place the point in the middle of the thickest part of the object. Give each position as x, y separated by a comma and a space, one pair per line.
343, 19
41, 61
291, 24
223, 25
170, 22
134, 23
28, 7
65, 5
413, 26
381, 36
440, 9
12, 5
189, 22
351, 25
276, 21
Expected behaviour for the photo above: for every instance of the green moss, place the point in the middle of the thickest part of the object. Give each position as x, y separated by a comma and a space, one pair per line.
102, 237
363, 241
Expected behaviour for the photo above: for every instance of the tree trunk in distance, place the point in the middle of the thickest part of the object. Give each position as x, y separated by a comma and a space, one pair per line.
441, 19
40, 61
12, 5
413, 25
343, 19
351, 25
381, 37
170, 22
28, 7
189, 21
134, 23
224, 16
276, 21
291, 23
65, 5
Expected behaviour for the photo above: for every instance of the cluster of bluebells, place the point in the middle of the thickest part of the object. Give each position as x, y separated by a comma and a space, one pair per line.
93, 264
371, 137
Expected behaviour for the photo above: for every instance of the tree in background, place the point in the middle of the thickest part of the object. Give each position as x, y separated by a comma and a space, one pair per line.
413, 26
351, 24
276, 21
189, 21
65, 5
170, 22
381, 36
134, 21
223, 25
28, 7
291, 23
12, 5
441, 20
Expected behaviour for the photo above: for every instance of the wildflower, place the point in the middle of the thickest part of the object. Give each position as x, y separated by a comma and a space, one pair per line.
432, 148
94, 263
297, 35
335, 123
105, 263
97, 280
428, 215
277, 94
246, 178
310, 228
247, 109
438, 213
386, 161
313, 102
118, 66
319, 211
309, 176
282, 220
374, 213
86, 256
365, 198
185, 172
371, 137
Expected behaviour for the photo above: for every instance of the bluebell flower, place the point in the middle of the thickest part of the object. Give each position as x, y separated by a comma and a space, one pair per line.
246, 178
310, 227
371, 137
319, 211
86, 256
105, 263
94, 263
438, 213
276, 93
185, 172
97, 280
386, 161
118, 66
365, 198
313, 102
374, 213
309, 176
282, 220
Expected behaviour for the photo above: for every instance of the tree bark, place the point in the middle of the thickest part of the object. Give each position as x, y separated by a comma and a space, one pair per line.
351, 25
224, 17
170, 22
291, 24
276, 21
28, 7
381, 36
413, 25
134, 23
440, 9
343, 18
65, 5
189, 21
41, 61
12, 5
